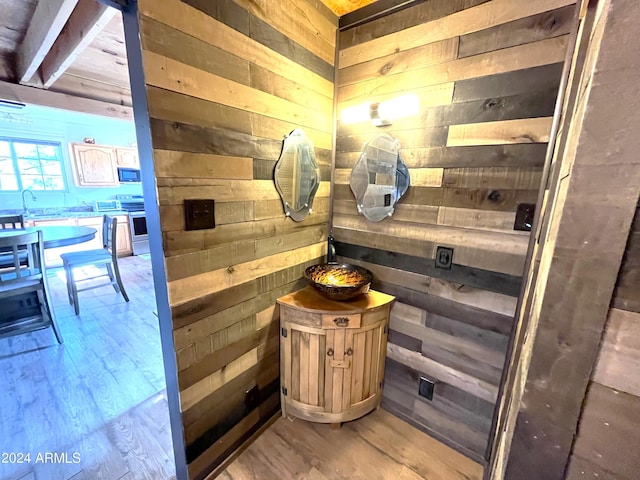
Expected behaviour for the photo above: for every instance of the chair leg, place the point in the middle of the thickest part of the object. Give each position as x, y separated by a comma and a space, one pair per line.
112, 278
68, 280
74, 292
45, 306
119, 280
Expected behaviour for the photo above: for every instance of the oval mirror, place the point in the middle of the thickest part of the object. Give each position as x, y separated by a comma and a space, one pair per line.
297, 175
380, 178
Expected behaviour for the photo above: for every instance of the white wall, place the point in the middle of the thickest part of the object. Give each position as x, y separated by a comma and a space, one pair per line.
42, 123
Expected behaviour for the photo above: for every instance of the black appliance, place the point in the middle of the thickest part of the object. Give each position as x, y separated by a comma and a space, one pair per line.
128, 175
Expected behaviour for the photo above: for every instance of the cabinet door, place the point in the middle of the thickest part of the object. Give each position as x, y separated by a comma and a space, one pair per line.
94, 165
369, 346
354, 365
127, 157
304, 364
52, 255
96, 243
123, 237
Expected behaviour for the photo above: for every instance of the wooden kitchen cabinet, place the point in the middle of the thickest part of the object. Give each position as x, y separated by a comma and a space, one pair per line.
332, 355
123, 237
96, 243
127, 157
94, 165
52, 255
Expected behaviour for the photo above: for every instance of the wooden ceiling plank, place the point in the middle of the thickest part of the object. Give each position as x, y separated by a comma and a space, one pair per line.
87, 20
47, 23
47, 98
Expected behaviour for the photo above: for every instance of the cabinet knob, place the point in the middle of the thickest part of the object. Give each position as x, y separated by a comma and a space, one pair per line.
349, 351
341, 321
330, 352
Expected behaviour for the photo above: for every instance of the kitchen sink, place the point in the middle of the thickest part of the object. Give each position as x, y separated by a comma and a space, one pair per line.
43, 215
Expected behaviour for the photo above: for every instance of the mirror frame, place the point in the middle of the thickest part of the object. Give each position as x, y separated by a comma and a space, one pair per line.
299, 144
359, 189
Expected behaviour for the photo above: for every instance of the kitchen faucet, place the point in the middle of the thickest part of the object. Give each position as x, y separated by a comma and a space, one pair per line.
24, 201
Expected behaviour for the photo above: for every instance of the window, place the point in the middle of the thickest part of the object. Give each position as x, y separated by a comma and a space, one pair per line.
26, 164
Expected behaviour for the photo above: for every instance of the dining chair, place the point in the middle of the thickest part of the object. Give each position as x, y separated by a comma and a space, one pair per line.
105, 257
24, 284
11, 221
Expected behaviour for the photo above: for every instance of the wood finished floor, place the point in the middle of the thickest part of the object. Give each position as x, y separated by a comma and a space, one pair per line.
100, 395
379, 446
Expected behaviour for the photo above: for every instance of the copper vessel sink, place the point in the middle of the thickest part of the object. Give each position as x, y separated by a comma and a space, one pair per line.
339, 281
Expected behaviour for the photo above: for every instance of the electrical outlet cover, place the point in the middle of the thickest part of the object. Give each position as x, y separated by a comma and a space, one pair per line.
444, 257
524, 217
425, 388
199, 214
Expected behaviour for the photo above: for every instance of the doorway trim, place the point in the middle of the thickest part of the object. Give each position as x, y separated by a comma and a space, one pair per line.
129, 9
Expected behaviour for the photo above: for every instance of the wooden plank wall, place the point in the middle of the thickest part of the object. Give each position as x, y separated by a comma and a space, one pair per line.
487, 75
609, 430
225, 82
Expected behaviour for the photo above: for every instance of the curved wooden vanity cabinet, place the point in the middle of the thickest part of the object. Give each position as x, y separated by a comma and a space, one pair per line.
332, 355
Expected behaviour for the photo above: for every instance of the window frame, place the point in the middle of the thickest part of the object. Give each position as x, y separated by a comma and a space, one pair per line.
18, 175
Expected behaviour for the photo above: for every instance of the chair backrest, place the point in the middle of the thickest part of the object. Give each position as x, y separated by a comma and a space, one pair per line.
109, 234
11, 221
15, 246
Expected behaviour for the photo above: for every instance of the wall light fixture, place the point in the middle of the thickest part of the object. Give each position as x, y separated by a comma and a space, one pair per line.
382, 113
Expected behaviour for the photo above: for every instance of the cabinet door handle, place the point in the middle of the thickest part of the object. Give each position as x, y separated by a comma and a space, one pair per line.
349, 351
341, 321
330, 352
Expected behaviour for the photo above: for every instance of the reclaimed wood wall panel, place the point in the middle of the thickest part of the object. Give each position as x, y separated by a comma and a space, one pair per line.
626, 296
609, 422
226, 81
475, 151
552, 399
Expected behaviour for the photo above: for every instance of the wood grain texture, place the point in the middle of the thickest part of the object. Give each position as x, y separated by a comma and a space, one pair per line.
535, 130
625, 295
620, 352
505, 71
515, 82
272, 66
531, 55
466, 21
299, 21
409, 17
450, 375
169, 74
609, 431
529, 29
307, 450
235, 16
422, 56
189, 20
564, 349
111, 409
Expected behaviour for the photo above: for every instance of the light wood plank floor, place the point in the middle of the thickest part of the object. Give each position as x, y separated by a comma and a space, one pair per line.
379, 446
99, 395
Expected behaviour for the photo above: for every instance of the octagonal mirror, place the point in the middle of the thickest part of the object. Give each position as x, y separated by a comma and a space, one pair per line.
380, 178
297, 175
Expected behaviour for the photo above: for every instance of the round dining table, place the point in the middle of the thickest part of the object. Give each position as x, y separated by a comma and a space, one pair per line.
55, 235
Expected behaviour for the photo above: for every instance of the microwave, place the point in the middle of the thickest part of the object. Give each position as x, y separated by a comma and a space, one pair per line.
128, 175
